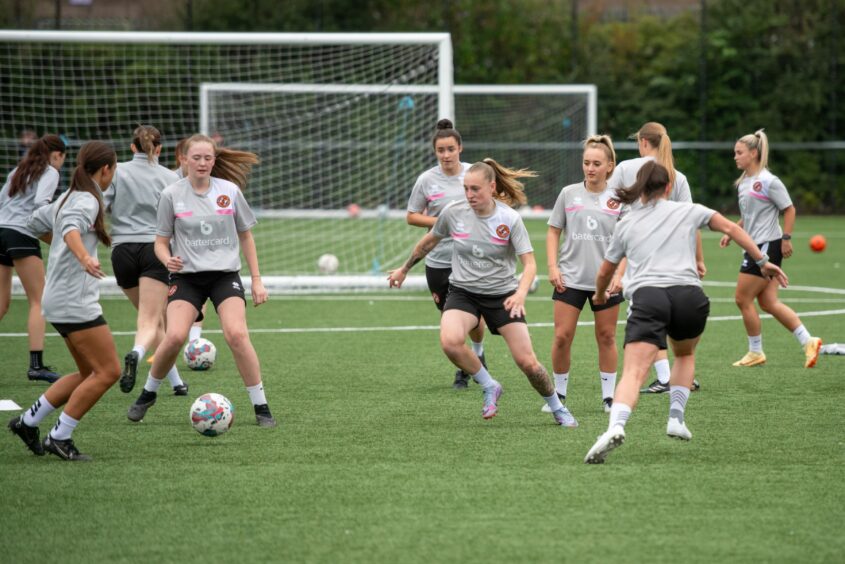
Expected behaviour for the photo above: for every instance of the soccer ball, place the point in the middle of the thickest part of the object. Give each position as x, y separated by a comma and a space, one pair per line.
818, 243
200, 354
327, 264
212, 415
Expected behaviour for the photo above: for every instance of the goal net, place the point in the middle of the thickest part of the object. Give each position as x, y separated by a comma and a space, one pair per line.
342, 131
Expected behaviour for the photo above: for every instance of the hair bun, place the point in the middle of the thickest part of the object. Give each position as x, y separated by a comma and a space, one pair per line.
445, 124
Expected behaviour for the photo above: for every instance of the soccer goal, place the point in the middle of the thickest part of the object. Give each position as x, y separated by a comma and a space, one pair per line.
342, 134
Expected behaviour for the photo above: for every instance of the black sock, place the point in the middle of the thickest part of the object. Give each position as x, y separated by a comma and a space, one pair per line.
36, 359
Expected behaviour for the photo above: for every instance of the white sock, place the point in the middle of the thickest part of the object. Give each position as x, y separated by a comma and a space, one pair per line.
554, 402
755, 343
802, 334
256, 394
619, 414
663, 370
195, 333
64, 427
140, 350
477, 348
483, 378
174, 378
152, 384
39, 410
561, 382
678, 396
608, 384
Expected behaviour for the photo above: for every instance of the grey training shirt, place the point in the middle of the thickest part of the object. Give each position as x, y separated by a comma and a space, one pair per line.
761, 199
587, 220
15, 211
433, 191
485, 248
133, 199
71, 295
204, 227
659, 240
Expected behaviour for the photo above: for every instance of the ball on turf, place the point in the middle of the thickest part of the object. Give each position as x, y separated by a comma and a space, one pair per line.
327, 264
200, 354
212, 414
818, 243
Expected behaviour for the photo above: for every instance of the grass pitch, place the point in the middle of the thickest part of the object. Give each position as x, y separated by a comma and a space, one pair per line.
377, 459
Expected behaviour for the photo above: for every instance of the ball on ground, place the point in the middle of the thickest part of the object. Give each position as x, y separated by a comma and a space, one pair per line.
200, 354
212, 414
327, 264
818, 243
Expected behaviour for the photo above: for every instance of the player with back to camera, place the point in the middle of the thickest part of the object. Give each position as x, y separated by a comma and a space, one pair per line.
664, 294
654, 145
434, 190
28, 187
75, 224
762, 197
487, 236
586, 214
132, 200
204, 223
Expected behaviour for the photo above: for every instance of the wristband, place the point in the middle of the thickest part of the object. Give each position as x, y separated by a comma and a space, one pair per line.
786, 237
762, 261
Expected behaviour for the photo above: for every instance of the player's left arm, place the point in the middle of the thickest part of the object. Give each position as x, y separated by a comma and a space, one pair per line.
789, 214
699, 256
259, 293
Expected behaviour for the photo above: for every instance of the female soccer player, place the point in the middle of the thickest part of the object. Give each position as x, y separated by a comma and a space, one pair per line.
588, 214
664, 292
488, 235
434, 190
762, 196
204, 223
71, 303
133, 200
654, 144
28, 187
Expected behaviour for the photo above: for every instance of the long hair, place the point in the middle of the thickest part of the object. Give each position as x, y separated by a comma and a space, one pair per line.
93, 156
229, 164
179, 151
508, 187
758, 141
603, 143
657, 136
652, 179
146, 138
35, 162
444, 130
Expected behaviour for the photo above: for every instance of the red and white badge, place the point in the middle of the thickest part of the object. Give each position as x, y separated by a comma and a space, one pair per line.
223, 201
503, 231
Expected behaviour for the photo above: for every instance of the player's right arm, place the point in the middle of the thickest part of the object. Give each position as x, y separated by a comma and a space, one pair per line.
162, 251
418, 219
552, 242
422, 248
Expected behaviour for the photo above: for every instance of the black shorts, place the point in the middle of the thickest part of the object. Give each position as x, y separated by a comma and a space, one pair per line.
679, 311
64, 329
772, 248
491, 308
16, 245
438, 284
196, 287
577, 298
130, 261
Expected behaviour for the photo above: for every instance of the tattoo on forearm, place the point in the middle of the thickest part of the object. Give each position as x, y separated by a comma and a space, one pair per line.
418, 254
540, 381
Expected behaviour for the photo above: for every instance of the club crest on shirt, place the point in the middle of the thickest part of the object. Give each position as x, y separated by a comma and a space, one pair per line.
757, 186
502, 231
223, 201
612, 204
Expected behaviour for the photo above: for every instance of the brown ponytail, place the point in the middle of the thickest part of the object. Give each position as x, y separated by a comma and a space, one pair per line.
146, 138
35, 162
652, 180
657, 136
508, 187
93, 156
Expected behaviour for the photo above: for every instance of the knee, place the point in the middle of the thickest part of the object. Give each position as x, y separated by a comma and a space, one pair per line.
527, 363
563, 339
451, 347
110, 373
237, 339
606, 339
172, 341
768, 305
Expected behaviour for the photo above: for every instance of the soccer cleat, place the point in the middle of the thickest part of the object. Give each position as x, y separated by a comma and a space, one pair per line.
607, 403
263, 416
181, 389
656, 387
695, 386
677, 429
605, 443
491, 396
130, 371
42, 373
547, 409
811, 351
29, 435
751, 358
65, 450
138, 409
564, 418
461, 380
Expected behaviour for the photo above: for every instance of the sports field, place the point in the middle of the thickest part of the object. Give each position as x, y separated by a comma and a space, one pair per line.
377, 459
